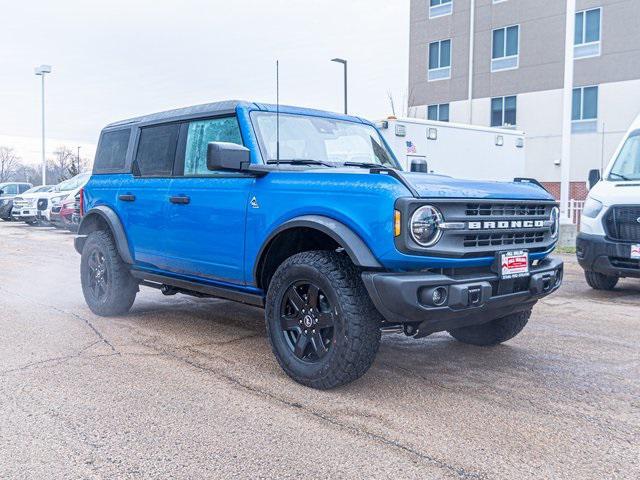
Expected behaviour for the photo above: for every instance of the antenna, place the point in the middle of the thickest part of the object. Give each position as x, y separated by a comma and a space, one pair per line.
278, 113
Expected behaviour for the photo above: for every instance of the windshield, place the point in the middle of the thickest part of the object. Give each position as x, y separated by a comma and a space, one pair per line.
306, 138
627, 165
38, 189
73, 183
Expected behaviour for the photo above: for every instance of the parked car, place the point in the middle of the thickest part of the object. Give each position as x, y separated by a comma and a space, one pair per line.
263, 205
25, 206
608, 245
8, 191
49, 209
62, 214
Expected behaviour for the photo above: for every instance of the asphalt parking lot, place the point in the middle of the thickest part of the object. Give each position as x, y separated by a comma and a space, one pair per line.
188, 388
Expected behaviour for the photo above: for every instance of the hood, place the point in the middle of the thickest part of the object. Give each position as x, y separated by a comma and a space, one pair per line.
439, 186
616, 193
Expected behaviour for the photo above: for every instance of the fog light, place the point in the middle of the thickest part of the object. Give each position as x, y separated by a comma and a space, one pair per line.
439, 296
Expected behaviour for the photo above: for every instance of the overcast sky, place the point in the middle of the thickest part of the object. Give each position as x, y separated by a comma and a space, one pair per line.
117, 59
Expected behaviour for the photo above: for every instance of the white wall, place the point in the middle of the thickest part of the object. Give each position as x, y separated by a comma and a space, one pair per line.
539, 115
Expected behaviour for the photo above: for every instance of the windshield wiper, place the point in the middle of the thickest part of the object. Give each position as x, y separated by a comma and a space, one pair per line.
300, 161
619, 176
367, 165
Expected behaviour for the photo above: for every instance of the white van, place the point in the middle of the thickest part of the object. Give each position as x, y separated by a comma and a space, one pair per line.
461, 151
608, 245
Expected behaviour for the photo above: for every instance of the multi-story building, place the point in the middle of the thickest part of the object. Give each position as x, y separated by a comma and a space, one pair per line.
515, 75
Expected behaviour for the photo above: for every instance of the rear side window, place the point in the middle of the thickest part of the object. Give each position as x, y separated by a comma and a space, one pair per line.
23, 188
10, 189
112, 152
199, 134
157, 150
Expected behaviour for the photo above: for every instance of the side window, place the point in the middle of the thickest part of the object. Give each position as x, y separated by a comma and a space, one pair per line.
11, 189
112, 151
157, 150
199, 134
23, 188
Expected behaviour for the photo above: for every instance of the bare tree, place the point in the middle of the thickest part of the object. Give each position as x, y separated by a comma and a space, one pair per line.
391, 102
9, 163
63, 158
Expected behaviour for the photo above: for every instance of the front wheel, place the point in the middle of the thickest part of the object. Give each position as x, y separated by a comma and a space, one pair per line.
494, 332
108, 287
599, 281
323, 328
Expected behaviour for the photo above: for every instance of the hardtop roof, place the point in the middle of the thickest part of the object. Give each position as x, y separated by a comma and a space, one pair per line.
216, 108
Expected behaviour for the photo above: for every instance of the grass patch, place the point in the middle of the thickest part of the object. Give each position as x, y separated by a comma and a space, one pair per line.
568, 250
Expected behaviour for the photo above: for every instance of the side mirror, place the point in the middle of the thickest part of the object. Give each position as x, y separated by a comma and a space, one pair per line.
419, 165
227, 156
1, 192
594, 177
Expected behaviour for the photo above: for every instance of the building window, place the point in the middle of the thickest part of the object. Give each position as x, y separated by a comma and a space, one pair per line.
440, 60
584, 113
588, 33
440, 8
439, 113
505, 48
503, 111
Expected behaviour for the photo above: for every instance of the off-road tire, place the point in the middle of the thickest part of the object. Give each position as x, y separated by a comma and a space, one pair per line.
599, 281
494, 332
357, 323
121, 289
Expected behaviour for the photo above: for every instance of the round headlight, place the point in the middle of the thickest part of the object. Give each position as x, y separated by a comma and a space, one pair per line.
555, 221
425, 226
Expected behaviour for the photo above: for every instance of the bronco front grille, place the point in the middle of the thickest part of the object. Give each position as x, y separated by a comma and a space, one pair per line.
482, 228
623, 223
505, 210
503, 239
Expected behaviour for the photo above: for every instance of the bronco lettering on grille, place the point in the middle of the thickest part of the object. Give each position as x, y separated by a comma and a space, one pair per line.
505, 225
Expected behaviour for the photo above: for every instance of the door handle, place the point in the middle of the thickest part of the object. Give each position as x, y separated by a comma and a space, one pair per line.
180, 199
127, 198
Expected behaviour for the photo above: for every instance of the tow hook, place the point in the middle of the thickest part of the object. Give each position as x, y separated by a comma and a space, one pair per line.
168, 290
409, 329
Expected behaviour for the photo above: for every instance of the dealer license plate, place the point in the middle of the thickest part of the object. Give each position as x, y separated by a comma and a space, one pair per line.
514, 264
635, 251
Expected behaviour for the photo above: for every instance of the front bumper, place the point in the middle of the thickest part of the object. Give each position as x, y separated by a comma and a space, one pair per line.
598, 254
472, 298
22, 214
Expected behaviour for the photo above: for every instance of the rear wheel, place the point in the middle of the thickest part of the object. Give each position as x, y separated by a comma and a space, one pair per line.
108, 287
599, 281
494, 332
323, 328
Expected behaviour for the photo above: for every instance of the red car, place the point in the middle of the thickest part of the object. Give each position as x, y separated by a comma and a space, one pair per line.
62, 216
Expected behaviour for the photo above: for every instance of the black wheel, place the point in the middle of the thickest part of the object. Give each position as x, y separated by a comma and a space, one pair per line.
599, 281
323, 328
494, 332
108, 287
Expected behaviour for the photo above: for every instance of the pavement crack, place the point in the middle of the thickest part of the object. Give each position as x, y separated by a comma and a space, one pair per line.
50, 361
460, 472
97, 332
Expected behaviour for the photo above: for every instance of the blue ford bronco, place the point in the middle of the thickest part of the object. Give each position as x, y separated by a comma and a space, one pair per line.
309, 215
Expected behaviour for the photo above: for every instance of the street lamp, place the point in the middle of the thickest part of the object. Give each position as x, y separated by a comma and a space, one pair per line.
42, 70
343, 62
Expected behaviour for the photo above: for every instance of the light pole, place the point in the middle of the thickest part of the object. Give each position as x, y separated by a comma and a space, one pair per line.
42, 70
343, 62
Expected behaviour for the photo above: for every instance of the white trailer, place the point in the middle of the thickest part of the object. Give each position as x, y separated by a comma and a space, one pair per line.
458, 150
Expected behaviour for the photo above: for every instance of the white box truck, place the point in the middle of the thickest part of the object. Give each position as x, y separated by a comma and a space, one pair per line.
455, 149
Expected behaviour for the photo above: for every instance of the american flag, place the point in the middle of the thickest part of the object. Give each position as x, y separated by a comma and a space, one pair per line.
411, 148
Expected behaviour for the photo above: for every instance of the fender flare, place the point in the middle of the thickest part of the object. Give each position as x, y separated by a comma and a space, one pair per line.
358, 251
110, 217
